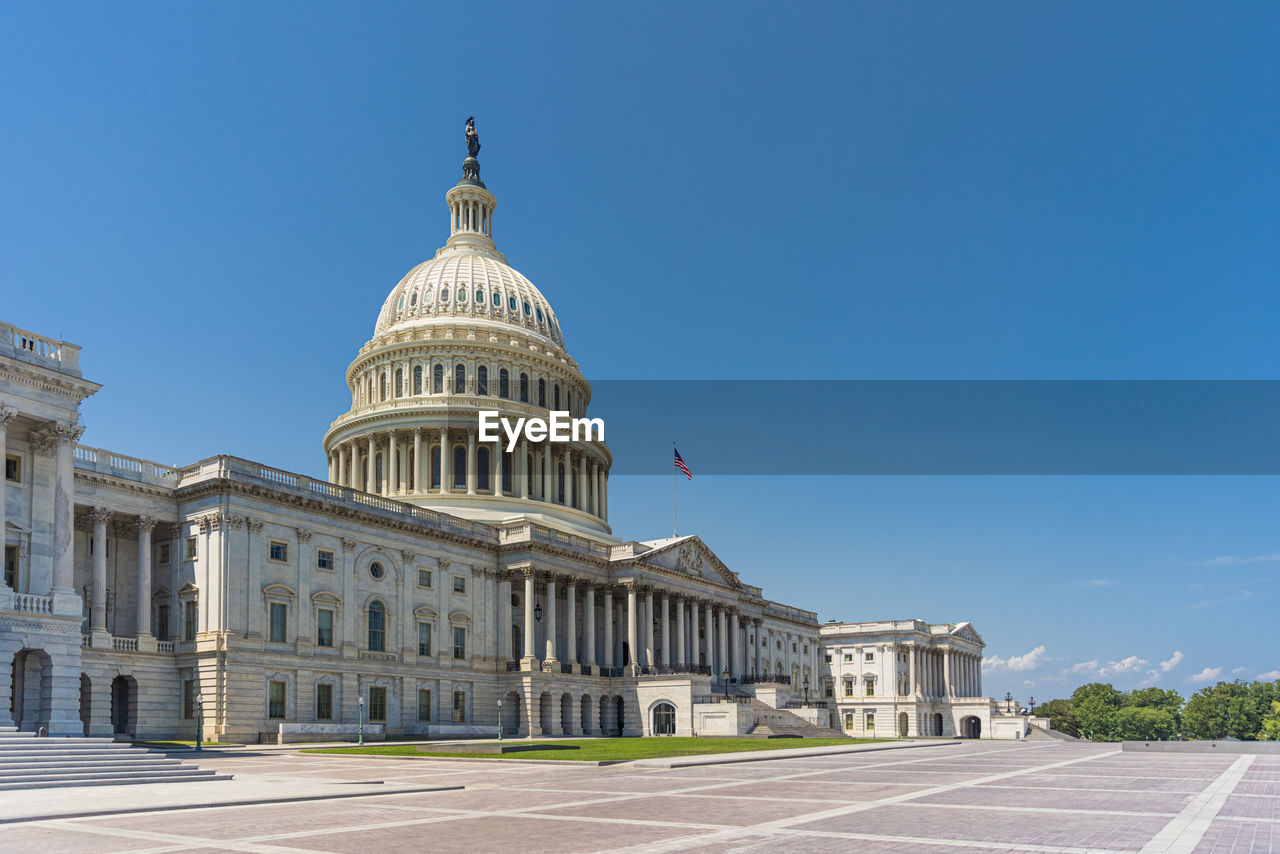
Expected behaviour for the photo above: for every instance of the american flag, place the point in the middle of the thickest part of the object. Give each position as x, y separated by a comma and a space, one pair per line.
680, 464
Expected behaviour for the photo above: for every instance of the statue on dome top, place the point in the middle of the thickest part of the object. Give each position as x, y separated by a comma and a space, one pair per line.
473, 138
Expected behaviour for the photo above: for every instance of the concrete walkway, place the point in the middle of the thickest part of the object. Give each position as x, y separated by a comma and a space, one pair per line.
785, 753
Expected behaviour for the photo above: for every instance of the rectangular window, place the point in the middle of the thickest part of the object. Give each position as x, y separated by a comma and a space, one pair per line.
377, 704
828, 689
424, 578
827, 658
278, 614
324, 702
189, 699
279, 551
871, 687
191, 548
189, 621
871, 721
324, 559
275, 699
459, 707
11, 566
162, 622
459, 642
848, 720
13, 469
324, 627
162, 554
870, 656
424, 705
848, 687
424, 638
848, 656
459, 584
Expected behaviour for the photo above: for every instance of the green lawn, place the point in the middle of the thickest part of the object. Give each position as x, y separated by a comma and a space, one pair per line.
616, 749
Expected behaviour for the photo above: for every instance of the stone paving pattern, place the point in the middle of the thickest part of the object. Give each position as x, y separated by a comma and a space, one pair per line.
963, 797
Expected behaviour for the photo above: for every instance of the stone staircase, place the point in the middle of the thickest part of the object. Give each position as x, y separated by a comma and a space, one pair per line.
29, 762
1040, 733
771, 723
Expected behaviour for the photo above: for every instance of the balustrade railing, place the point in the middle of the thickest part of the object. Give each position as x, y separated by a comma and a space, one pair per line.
164, 646
120, 465
548, 667
28, 345
586, 670
513, 666
611, 672
124, 644
30, 603
566, 667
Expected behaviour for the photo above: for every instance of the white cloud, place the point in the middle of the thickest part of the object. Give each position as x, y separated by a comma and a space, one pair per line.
1269, 676
1090, 666
1239, 560
1209, 603
1207, 675
1016, 663
1236, 671
1174, 661
1124, 665
1097, 582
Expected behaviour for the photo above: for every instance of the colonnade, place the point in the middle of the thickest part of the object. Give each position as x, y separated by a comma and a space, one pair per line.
410, 463
945, 672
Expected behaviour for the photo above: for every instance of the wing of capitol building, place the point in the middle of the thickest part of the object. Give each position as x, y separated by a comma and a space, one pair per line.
433, 585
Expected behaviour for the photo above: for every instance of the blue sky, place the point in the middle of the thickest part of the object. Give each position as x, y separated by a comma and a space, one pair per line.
214, 199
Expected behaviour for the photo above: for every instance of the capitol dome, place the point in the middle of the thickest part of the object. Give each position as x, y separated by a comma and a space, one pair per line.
462, 333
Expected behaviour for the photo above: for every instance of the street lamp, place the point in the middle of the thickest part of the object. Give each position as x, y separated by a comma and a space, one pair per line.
360, 718
806, 692
199, 721
537, 613
725, 677
499, 719
1008, 703
1031, 706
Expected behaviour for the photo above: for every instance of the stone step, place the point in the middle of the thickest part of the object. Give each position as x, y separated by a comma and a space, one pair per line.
34, 755
13, 769
203, 777
16, 739
105, 777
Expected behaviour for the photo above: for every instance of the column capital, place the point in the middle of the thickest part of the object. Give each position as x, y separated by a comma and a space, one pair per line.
255, 525
7, 414
100, 515
65, 432
304, 536
348, 545
407, 556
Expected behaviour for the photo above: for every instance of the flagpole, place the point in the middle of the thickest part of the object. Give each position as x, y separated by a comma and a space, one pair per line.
673, 491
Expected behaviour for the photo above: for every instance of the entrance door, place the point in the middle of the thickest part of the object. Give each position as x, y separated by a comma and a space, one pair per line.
664, 719
120, 706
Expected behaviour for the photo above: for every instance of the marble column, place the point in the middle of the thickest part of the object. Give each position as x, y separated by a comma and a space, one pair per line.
722, 643
98, 607
369, 485
551, 618
446, 479
632, 635
589, 625
504, 617
708, 641
418, 487
392, 466
145, 525
758, 643
666, 630
648, 628
64, 436
607, 655
948, 685
595, 489
568, 475
472, 468
523, 468
680, 659
735, 645
571, 621
528, 613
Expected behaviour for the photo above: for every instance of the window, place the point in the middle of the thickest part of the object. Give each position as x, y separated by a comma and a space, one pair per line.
459, 378
324, 627
459, 707
848, 720
506, 473
424, 578
162, 554
377, 626
417, 379
459, 642
382, 386
542, 393
424, 638
444, 293
482, 469
459, 467
848, 656
279, 551
828, 688
870, 686
278, 614
524, 388
527, 308
10, 566
424, 703
479, 297
13, 469
482, 380
511, 303
871, 722
189, 699
870, 656
275, 699
504, 383
437, 379
324, 559
377, 704
557, 397
324, 702
435, 466
497, 300
191, 548
827, 658
162, 622
848, 687
189, 621
376, 570
399, 382
459, 584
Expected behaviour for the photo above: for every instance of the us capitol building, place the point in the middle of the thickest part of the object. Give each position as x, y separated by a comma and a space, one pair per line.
432, 584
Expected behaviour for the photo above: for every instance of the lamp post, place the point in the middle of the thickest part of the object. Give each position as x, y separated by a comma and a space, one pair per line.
199, 721
1031, 706
537, 613
1008, 703
499, 719
725, 677
360, 718
806, 692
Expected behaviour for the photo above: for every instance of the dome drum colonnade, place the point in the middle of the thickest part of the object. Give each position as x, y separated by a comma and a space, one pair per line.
461, 333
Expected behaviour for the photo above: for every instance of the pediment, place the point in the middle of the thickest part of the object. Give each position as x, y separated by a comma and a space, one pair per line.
966, 631
690, 556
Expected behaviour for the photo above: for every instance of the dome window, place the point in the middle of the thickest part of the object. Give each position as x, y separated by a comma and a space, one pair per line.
479, 297
512, 303
527, 308
429, 295
539, 315
444, 293
462, 293
497, 300
413, 298
400, 304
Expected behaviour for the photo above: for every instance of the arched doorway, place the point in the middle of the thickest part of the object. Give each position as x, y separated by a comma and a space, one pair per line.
622, 714
664, 720
86, 701
607, 722
971, 727
586, 716
566, 714
512, 716
902, 724
937, 723
31, 698
124, 701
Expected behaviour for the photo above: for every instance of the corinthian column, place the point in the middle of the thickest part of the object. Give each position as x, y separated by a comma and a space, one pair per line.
98, 608
7, 415
64, 436
145, 525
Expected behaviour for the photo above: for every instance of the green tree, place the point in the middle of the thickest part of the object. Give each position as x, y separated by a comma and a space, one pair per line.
1060, 714
1095, 706
1271, 724
1228, 709
1143, 723
1159, 698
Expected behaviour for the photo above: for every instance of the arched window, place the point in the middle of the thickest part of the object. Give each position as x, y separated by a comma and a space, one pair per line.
479, 298
497, 300
373, 390
664, 719
459, 378
504, 384
524, 388
506, 472
417, 379
560, 484
399, 382
557, 397
435, 466
382, 386
482, 380
437, 379
377, 626
511, 303
377, 473
542, 393
444, 293
482, 469
459, 467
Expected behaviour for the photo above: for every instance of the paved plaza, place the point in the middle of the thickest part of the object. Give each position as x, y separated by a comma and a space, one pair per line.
952, 797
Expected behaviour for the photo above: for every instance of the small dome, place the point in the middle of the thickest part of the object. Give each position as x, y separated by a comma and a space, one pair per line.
465, 282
